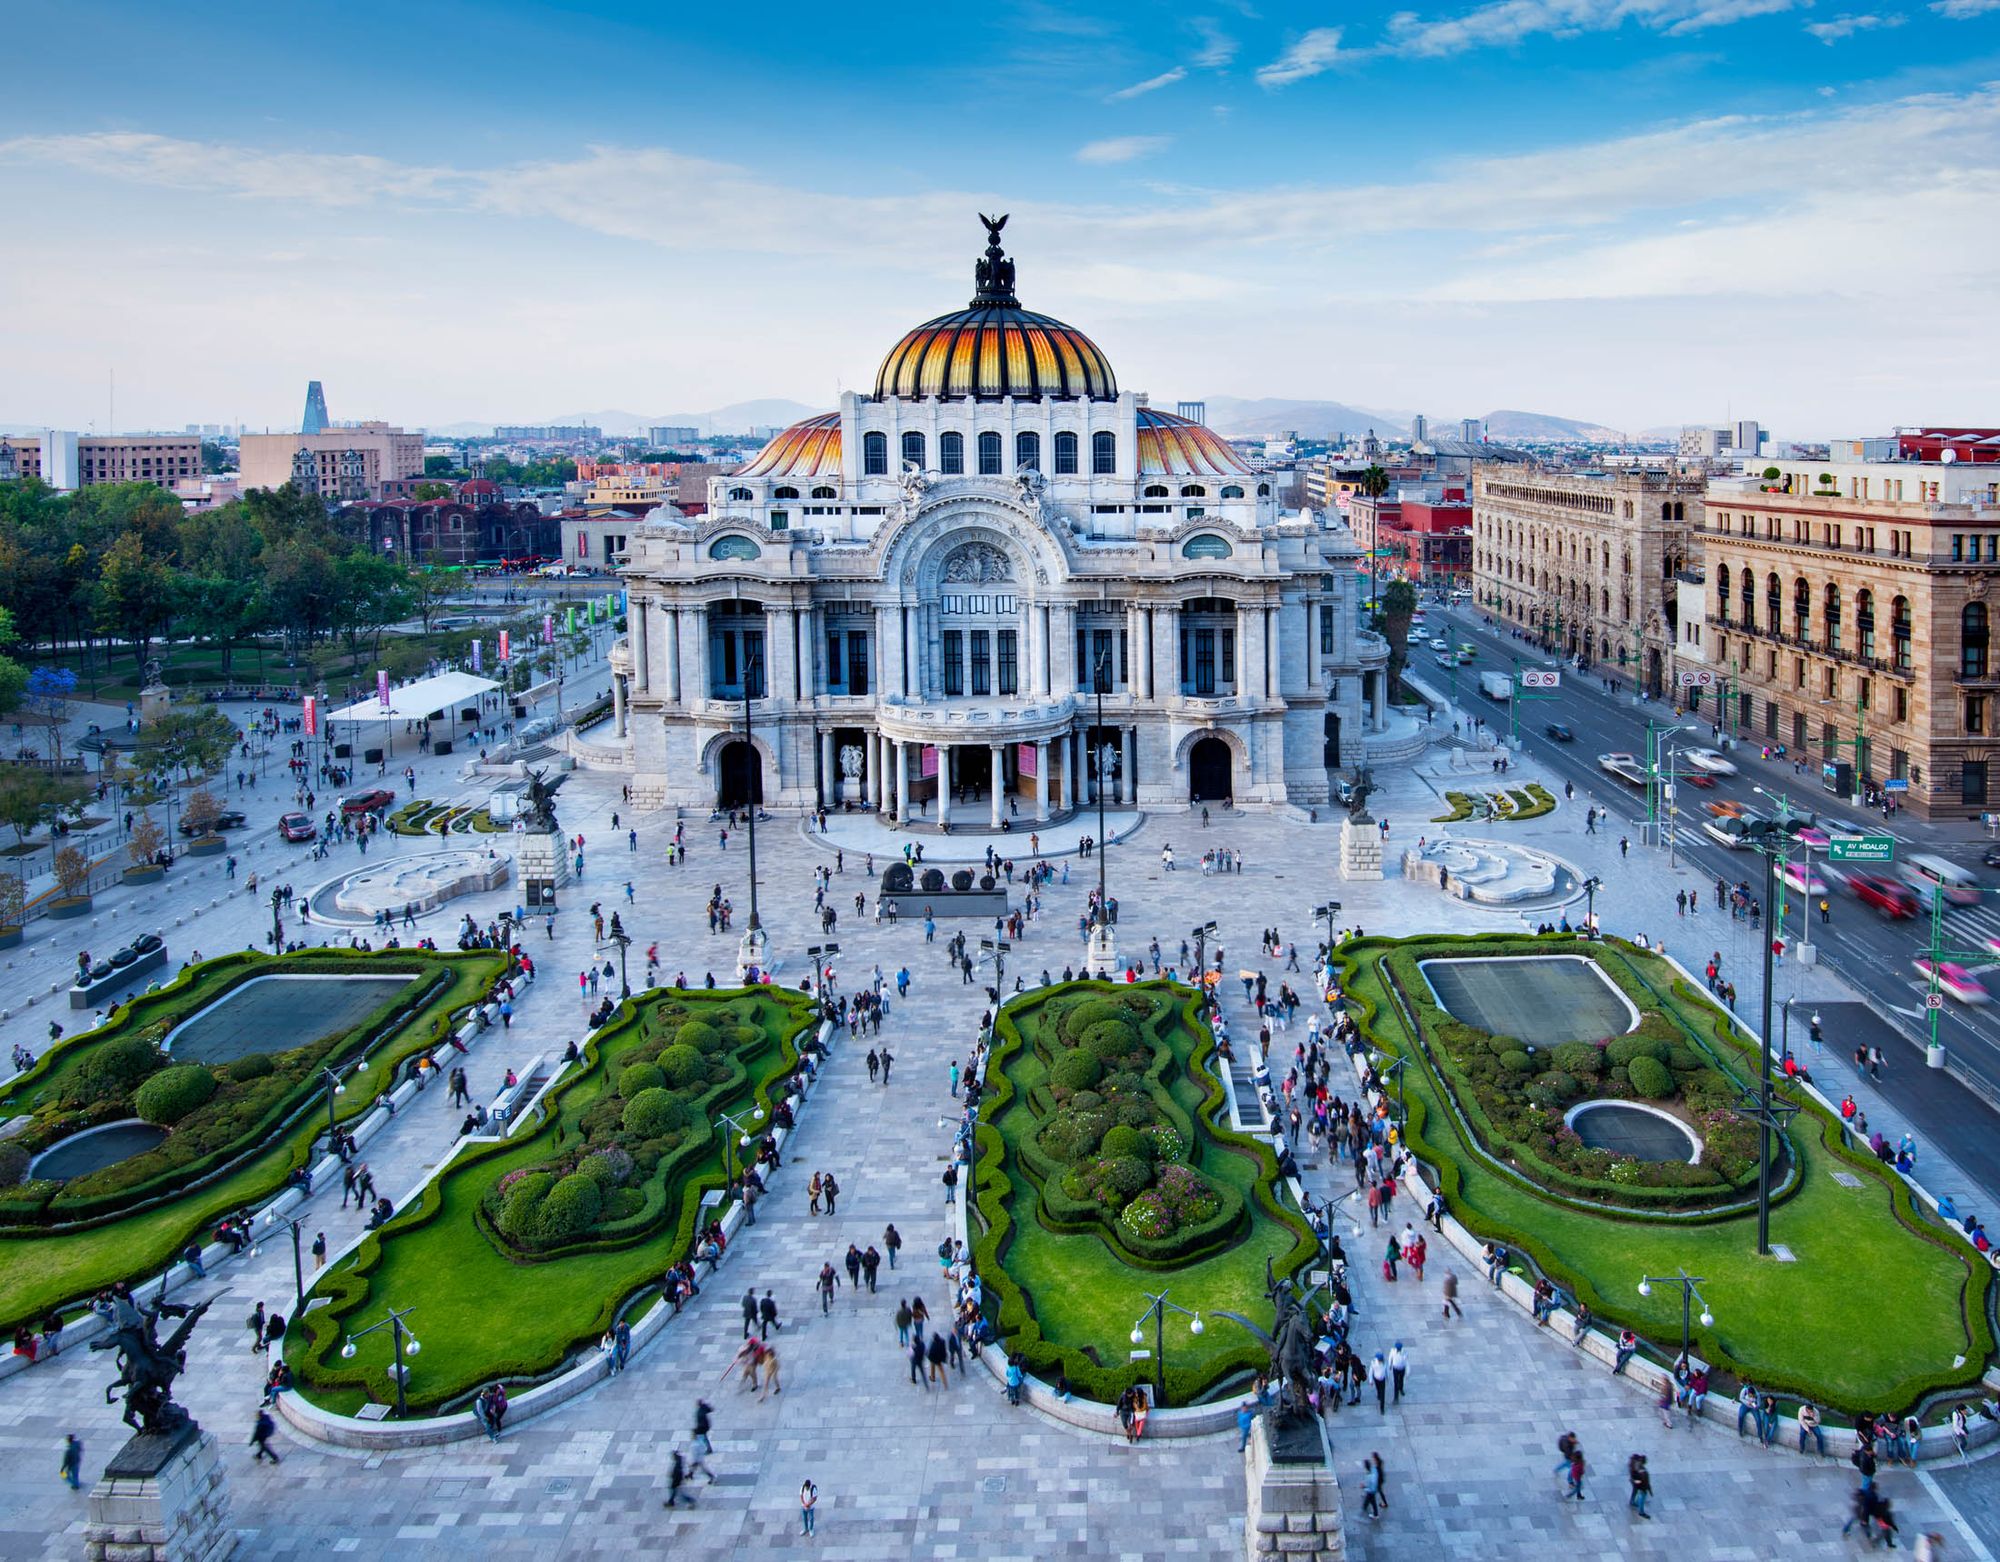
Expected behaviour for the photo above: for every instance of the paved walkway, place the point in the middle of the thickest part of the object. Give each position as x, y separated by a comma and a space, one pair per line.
955, 1473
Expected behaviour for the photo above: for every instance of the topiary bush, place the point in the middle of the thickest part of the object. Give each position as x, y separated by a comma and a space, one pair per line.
13, 1165
1555, 1088
252, 1065
521, 1206
1124, 1141
1076, 1069
1651, 1078
1623, 1049
1580, 1058
609, 1168
636, 1077
173, 1093
700, 1035
1112, 1040
655, 1112
570, 1210
113, 1071
1517, 1063
683, 1064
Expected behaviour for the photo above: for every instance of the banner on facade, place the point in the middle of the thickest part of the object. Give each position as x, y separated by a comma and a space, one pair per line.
569, 620
548, 629
1024, 759
311, 714
929, 766
475, 655
505, 645
382, 689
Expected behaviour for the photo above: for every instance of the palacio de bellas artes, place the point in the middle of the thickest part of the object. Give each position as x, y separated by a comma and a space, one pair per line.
927, 591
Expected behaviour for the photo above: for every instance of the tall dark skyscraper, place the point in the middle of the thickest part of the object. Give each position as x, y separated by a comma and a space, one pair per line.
315, 419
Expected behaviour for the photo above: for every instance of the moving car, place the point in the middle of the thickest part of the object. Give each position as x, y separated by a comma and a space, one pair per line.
297, 827
228, 819
1953, 980
1925, 873
1700, 778
1467, 653
1439, 643
1796, 875
1625, 767
1991, 857
1893, 898
368, 802
1560, 732
1714, 761
1724, 808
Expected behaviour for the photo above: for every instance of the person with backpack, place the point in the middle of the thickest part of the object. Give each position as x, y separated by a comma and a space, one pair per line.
808, 1504
1642, 1484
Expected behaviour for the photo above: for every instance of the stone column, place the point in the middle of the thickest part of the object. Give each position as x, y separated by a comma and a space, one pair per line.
780, 637
829, 778
1246, 675
697, 631
618, 703
1038, 650
877, 764
641, 646
1167, 649
997, 759
892, 777
805, 656
672, 628
944, 783
1129, 781
1041, 781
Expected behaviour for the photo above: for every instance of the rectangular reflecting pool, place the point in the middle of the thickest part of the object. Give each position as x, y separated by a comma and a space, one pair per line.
276, 1013
1545, 999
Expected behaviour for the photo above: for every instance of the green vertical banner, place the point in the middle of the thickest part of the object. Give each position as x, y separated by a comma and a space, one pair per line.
569, 620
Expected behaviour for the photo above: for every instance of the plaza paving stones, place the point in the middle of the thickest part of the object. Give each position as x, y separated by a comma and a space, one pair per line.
954, 1473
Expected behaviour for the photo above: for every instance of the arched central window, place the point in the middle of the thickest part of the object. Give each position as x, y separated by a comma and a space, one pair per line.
989, 454
1103, 453
913, 450
951, 453
824, 492
875, 455
1027, 452
1156, 491
1972, 640
1065, 455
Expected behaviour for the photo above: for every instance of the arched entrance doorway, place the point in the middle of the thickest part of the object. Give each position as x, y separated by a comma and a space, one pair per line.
739, 776
1208, 772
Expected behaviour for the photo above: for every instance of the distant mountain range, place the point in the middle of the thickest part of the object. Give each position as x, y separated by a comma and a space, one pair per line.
1234, 416
737, 418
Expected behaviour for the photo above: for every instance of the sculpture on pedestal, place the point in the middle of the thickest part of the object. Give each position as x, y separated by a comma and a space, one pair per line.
147, 1366
540, 814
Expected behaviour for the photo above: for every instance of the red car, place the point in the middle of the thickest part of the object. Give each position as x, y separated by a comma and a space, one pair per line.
1891, 897
297, 827
1700, 778
368, 802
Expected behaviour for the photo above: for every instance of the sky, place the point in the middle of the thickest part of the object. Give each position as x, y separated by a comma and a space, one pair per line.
1634, 212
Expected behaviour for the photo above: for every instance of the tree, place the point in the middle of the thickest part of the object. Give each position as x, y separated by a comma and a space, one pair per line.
1399, 606
72, 872
147, 840
13, 900
370, 593
187, 741
135, 595
49, 691
215, 459
31, 797
202, 810
430, 588
13, 676
426, 491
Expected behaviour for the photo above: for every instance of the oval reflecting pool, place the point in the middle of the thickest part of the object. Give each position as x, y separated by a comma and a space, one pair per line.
96, 1148
1646, 1133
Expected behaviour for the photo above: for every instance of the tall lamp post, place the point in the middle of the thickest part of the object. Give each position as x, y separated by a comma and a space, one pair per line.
1103, 952
1157, 1307
298, 1260
334, 1088
1591, 886
1689, 1296
1329, 911
1768, 837
741, 1141
1202, 934
750, 956
405, 1345
277, 920
618, 936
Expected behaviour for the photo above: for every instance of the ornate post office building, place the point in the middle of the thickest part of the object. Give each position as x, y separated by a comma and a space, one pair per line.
922, 600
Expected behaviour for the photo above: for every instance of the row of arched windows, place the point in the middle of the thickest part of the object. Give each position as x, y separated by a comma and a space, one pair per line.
1972, 622
988, 450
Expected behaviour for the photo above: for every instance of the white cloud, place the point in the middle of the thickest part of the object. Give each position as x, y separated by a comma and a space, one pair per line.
1310, 54
1139, 89
1217, 47
1845, 26
1505, 22
1964, 10
1122, 149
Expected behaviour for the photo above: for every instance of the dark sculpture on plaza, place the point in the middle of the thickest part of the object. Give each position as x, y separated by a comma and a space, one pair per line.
540, 814
147, 1365
1290, 1344
1357, 796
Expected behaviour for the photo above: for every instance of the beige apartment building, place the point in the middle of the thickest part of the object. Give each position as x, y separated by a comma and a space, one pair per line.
1585, 561
348, 463
88, 459
1850, 612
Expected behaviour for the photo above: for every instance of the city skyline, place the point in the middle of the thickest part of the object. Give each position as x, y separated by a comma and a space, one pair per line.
1632, 212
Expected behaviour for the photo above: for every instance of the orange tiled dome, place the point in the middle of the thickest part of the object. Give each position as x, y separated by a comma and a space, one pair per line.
809, 448
1170, 444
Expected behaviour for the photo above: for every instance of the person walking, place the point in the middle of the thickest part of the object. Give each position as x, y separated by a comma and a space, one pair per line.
1576, 1471
72, 1461
826, 1284
808, 1506
1642, 1484
892, 1242
1399, 1363
700, 1445
853, 1263
950, 1180
1374, 1487
1451, 1295
832, 1191
260, 1437
255, 1324
677, 1474
319, 1250
1378, 1374
767, 1316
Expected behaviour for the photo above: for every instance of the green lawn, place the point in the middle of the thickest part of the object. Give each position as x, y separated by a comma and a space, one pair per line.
1802, 1327
1078, 1297
43, 1270
483, 1312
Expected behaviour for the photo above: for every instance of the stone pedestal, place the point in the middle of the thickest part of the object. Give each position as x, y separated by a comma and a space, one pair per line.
1294, 1510
753, 953
1360, 849
161, 1499
1101, 957
541, 859
155, 700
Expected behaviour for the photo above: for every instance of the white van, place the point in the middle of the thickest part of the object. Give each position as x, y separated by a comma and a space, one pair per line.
1924, 872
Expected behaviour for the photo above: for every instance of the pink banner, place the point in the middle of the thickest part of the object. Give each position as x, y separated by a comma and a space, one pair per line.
382, 689
1024, 758
548, 629
930, 761
504, 645
312, 715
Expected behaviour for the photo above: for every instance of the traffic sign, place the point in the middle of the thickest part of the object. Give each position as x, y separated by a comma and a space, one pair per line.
1933, 1000
1868, 848
1696, 678
1541, 678
1896, 784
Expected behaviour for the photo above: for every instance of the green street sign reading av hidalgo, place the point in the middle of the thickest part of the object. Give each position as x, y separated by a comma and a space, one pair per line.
1869, 848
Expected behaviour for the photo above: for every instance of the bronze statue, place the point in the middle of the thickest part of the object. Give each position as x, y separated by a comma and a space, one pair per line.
993, 274
1289, 1342
1357, 795
541, 811
148, 1366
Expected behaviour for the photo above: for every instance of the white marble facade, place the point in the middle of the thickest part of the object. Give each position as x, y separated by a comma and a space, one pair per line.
933, 582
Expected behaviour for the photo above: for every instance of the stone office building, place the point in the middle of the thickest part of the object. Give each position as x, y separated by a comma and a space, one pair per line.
927, 596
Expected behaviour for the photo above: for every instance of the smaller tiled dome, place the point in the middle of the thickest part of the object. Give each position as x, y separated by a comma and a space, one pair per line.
1171, 445
809, 448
